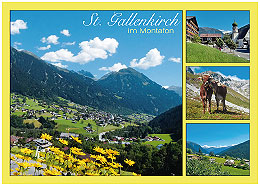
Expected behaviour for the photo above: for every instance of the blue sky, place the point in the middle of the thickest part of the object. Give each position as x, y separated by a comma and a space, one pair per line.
217, 134
235, 72
221, 20
158, 56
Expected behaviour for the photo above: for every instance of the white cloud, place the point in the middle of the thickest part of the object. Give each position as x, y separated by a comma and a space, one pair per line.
165, 87
52, 39
90, 50
60, 65
116, 67
176, 60
59, 55
45, 48
226, 31
16, 44
17, 26
65, 32
152, 59
68, 43
207, 146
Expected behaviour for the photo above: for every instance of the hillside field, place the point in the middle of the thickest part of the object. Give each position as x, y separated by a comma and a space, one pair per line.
166, 137
200, 53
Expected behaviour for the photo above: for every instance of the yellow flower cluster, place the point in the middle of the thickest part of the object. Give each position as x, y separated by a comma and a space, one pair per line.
55, 162
26, 151
129, 162
77, 151
46, 136
76, 139
64, 142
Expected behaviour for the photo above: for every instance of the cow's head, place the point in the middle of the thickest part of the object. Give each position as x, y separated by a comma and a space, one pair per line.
206, 80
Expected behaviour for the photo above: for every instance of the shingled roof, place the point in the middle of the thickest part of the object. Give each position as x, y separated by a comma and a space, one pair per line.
243, 31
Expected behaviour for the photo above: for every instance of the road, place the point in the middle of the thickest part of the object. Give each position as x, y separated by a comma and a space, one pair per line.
102, 133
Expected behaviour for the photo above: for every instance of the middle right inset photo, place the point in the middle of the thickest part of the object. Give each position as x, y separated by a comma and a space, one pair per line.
214, 92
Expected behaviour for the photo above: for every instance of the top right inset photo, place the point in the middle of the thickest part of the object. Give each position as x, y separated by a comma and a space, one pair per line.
218, 36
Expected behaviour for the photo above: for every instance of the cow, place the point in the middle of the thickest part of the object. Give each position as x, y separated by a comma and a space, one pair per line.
206, 92
220, 92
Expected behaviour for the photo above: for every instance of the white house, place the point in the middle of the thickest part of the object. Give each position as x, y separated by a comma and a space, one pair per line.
241, 36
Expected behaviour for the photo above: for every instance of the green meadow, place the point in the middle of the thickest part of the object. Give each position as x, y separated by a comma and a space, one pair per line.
201, 53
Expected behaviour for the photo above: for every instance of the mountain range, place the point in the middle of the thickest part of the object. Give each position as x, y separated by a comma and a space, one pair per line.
241, 150
123, 92
136, 90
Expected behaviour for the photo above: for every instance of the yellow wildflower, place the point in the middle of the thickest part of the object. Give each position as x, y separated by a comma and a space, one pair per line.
26, 151
102, 159
64, 142
36, 165
110, 151
12, 170
12, 158
46, 136
110, 156
76, 139
129, 162
42, 154
27, 158
77, 151
100, 150
16, 173
17, 169
19, 156
40, 160
24, 164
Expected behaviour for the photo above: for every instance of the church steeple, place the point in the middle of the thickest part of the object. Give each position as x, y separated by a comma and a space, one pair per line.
234, 31
234, 24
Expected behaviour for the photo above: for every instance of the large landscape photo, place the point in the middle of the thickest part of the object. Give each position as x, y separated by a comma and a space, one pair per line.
89, 97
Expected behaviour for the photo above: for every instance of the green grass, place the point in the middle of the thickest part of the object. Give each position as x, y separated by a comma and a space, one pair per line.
63, 124
235, 171
195, 111
32, 105
200, 53
237, 99
18, 113
166, 137
36, 123
231, 170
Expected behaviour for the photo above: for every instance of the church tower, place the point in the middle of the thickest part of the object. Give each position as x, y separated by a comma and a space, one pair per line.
234, 31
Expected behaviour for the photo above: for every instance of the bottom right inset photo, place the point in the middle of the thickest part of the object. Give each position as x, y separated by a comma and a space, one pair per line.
218, 149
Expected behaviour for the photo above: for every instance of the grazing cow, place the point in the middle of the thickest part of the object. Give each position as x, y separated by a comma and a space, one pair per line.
220, 92
206, 92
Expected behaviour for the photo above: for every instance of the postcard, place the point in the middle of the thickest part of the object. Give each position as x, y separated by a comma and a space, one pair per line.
130, 93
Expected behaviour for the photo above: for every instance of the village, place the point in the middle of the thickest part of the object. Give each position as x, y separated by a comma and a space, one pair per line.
223, 160
72, 120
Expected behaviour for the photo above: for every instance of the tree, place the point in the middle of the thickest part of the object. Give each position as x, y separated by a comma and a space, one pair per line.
189, 151
200, 152
226, 38
16, 121
220, 43
196, 39
204, 168
211, 153
231, 44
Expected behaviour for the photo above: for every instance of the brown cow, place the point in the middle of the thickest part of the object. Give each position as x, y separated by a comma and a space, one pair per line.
220, 92
206, 92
